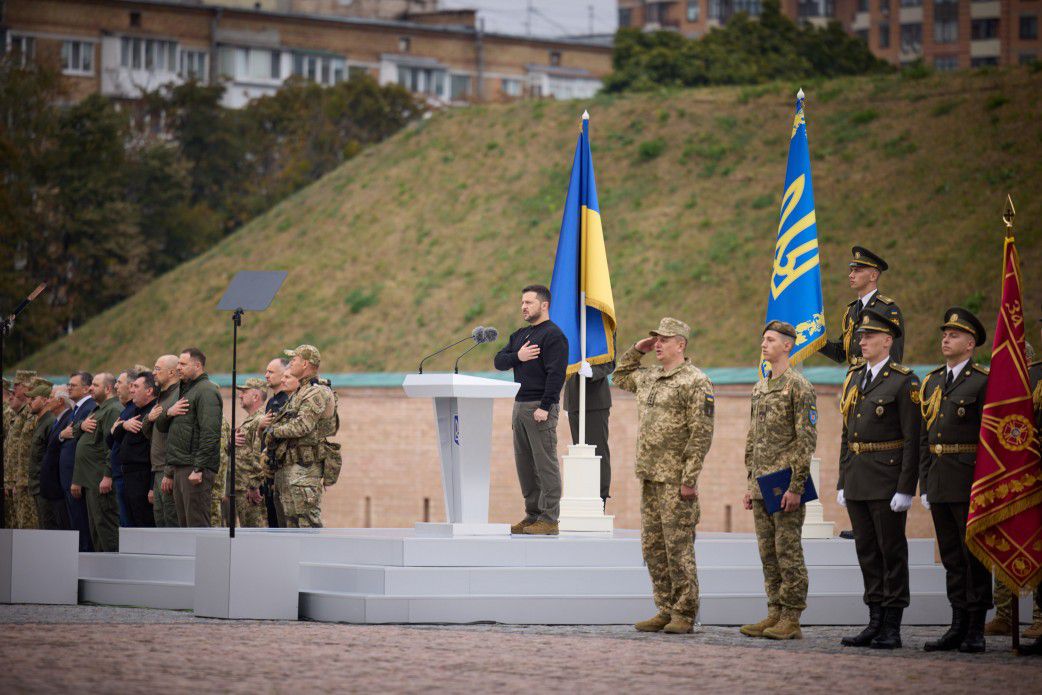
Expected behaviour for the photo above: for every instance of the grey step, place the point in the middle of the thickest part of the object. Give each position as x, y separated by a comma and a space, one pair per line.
174, 568
138, 593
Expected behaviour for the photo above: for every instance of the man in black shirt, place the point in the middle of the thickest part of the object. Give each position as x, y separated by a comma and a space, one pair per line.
538, 354
273, 375
134, 436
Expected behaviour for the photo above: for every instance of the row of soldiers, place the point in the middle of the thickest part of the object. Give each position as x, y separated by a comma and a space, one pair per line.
152, 448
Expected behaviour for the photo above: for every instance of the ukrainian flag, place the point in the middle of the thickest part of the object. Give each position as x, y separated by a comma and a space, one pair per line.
580, 280
795, 294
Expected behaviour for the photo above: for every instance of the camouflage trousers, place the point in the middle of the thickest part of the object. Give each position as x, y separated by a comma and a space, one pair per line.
1004, 602
250, 515
26, 509
667, 539
781, 553
300, 493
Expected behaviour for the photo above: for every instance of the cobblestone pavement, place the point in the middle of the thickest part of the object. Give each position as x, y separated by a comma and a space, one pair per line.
112, 649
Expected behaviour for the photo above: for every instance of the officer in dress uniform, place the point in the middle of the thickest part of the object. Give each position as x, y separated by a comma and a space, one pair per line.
951, 399
878, 472
865, 269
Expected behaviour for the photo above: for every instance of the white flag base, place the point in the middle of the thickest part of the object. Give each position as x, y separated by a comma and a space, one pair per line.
581, 506
814, 524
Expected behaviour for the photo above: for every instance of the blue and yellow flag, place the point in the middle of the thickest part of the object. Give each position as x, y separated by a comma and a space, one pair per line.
795, 295
581, 266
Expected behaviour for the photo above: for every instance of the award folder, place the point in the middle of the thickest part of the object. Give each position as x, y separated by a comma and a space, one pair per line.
774, 485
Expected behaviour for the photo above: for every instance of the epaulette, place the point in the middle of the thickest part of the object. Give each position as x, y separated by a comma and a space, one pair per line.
854, 302
935, 371
854, 367
884, 299
900, 368
983, 370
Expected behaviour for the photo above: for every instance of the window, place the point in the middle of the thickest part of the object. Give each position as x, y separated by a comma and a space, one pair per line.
404, 44
1028, 59
694, 10
862, 34
148, 54
625, 17
327, 70
984, 29
511, 87
77, 57
983, 62
22, 46
354, 71
654, 13
259, 64
1028, 26
884, 7
193, 65
862, 5
750, 7
422, 80
815, 8
135, 19
946, 63
911, 3
946, 31
912, 38
459, 87
555, 58
884, 34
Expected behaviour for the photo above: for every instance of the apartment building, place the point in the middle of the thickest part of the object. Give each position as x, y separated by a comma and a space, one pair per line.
945, 34
121, 48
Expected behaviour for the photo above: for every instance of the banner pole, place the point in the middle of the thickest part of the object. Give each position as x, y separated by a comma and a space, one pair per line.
582, 379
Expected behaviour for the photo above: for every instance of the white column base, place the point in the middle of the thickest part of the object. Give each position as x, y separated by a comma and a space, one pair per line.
39, 566
581, 506
252, 576
450, 530
814, 524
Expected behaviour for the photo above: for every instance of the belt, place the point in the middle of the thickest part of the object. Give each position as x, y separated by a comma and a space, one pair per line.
864, 447
953, 449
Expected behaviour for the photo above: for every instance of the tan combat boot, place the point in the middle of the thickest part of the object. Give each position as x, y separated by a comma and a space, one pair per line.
653, 624
998, 625
679, 625
788, 627
756, 629
1035, 631
520, 526
541, 528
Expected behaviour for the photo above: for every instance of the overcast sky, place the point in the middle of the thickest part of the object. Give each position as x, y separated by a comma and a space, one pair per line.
548, 17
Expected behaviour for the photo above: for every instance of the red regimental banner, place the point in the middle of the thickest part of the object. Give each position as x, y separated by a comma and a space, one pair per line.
1004, 528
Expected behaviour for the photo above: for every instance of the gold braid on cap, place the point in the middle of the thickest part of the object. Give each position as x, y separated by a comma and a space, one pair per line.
929, 406
847, 400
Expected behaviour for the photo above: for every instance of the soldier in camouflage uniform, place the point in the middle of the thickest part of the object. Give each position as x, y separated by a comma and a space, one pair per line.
249, 474
8, 492
675, 429
782, 434
298, 437
19, 510
218, 501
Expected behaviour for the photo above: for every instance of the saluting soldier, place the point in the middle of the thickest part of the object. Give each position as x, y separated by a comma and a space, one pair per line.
865, 269
951, 400
878, 471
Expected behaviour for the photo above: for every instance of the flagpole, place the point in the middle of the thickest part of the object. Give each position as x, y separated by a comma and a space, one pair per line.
582, 377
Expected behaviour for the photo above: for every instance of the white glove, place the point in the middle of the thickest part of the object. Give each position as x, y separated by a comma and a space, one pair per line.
840, 498
901, 503
926, 502
586, 370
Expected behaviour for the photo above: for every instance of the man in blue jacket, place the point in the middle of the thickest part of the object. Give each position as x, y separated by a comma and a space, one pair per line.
50, 477
83, 405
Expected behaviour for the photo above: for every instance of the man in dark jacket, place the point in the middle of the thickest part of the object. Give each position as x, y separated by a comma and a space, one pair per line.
83, 405
193, 430
92, 475
132, 435
50, 478
40, 406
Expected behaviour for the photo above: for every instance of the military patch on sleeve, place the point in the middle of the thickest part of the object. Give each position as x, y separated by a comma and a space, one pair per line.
709, 405
915, 396
812, 416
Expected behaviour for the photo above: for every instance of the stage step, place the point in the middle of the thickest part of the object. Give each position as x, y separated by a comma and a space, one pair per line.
174, 568
140, 593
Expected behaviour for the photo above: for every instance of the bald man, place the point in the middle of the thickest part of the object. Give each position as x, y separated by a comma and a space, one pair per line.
167, 382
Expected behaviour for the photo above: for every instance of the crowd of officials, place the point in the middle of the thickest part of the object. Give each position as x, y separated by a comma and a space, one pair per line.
151, 447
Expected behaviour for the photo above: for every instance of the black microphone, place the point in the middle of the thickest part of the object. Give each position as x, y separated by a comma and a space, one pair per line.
488, 335
475, 335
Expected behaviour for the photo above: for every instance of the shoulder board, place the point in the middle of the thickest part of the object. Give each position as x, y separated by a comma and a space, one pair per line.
900, 368
936, 371
854, 367
982, 370
854, 302
884, 299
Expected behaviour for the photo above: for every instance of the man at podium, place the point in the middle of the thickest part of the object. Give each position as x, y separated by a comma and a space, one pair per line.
538, 354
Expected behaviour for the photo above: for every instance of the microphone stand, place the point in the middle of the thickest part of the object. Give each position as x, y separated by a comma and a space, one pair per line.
455, 368
469, 337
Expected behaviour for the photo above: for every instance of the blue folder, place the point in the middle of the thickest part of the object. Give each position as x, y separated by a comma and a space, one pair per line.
774, 485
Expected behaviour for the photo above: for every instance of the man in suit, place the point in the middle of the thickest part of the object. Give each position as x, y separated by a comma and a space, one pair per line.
878, 472
51, 490
951, 399
865, 269
83, 405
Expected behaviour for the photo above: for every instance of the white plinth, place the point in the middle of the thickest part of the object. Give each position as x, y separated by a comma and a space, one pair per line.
814, 524
38, 566
582, 509
249, 576
450, 530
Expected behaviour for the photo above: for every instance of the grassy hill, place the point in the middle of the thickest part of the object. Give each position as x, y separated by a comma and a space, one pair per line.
434, 231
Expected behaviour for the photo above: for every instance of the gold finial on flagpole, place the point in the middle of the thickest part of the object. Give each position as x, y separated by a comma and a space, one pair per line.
1008, 214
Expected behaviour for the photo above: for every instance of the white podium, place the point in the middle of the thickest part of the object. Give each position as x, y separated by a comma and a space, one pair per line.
463, 413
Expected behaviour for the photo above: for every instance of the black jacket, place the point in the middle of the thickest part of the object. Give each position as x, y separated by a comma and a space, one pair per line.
541, 379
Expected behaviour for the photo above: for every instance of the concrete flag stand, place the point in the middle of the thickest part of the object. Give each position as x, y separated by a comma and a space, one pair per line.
814, 524
581, 506
39, 566
254, 575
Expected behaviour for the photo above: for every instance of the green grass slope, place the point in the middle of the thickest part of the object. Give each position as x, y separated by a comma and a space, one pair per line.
409, 245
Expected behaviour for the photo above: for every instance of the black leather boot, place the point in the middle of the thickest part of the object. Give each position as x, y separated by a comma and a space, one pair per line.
954, 636
1033, 649
889, 636
865, 637
973, 643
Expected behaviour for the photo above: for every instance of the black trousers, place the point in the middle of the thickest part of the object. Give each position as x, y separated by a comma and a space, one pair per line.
596, 434
268, 490
137, 482
968, 581
882, 551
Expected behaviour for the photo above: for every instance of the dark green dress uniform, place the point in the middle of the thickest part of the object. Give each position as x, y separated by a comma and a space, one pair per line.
951, 405
879, 457
846, 350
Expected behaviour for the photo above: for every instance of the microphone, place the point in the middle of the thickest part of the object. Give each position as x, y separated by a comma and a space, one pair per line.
476, 335
488, 335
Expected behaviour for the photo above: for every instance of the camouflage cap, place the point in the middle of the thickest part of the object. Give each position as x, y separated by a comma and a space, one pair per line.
781, 327
309, 353
24, 377
42, 387
254, 382
669, 327
7, 384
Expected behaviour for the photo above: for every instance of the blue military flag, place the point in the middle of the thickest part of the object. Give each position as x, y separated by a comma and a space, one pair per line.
795, 293
581, 286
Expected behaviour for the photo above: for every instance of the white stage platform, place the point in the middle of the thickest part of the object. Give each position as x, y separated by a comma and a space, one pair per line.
393, 576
